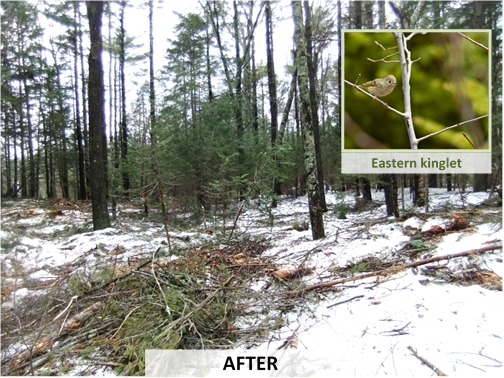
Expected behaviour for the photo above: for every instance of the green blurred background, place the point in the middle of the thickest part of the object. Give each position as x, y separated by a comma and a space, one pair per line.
449, 84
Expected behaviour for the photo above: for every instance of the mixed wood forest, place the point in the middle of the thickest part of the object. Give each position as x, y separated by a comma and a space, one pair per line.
106, 134
215, 123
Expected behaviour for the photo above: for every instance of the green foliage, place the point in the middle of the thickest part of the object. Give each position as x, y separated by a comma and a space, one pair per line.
341, 209
416, 244
301, 225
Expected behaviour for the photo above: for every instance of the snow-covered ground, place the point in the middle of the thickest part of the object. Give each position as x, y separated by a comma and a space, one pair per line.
455, 327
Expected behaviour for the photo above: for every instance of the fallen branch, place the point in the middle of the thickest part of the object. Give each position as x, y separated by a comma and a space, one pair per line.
396, 269
400, 331
425, 362
345, 301
203, 304
101, 287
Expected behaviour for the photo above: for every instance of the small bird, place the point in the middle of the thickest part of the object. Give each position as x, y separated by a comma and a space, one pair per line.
380, 87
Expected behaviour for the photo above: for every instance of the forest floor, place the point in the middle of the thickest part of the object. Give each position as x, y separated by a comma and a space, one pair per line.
416, 296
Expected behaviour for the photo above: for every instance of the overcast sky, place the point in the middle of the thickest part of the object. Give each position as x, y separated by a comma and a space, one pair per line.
165, 19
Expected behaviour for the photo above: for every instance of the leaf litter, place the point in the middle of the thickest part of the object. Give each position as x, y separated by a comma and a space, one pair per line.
79, 302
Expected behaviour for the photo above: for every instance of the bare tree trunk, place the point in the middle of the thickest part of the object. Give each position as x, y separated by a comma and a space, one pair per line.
255, 112
316, 212
208, 67
312, 74
288, 105
84, 112
124, 121
101, 217
152, 93
272, 92
238, 82
80, 145
383, 22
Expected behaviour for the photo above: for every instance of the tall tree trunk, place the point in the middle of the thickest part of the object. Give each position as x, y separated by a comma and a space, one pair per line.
15, 186
214, 18
208, 66
238, 82
152, 93
80, 144
101, 217
255, 112
357, 14
8, 174
31, 162
316, 212
124, 123
59, 135
272, 92
22, 130
288, 105
84, 111
368, 14
312, 74
383, 22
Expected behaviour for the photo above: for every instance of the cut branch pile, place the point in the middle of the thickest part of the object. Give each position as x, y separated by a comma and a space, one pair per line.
190, 302
396, 269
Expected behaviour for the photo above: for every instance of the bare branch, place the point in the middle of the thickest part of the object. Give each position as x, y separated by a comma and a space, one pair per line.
473, 41
450, 127
377, 99
465, 136
383, 59
426, 363
388, 48
358, 77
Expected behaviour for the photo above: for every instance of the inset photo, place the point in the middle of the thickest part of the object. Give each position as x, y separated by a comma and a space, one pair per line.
411, 90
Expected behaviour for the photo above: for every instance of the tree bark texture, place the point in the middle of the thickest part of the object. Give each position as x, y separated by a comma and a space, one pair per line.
314, 100
101, 217
312, 183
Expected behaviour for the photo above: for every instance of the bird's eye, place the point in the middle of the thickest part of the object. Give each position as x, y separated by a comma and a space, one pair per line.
390, 81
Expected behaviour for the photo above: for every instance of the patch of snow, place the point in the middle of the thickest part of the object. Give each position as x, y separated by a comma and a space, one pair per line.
413, 222
434, 221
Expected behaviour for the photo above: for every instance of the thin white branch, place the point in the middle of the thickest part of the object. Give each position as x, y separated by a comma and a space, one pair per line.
450, 127
377, 99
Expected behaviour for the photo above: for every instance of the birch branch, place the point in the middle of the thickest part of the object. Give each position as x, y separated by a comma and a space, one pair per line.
406, 63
